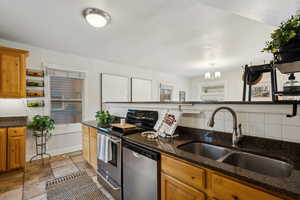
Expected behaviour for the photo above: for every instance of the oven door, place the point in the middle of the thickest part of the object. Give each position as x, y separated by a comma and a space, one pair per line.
112, 168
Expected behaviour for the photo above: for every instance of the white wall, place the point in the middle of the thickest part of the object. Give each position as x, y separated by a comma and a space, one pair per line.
64, 142
233, 84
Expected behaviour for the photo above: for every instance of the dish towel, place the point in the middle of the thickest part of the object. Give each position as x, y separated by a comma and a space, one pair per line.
104, 148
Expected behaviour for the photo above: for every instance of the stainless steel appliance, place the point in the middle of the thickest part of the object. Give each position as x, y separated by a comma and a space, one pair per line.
109, 170
140, 173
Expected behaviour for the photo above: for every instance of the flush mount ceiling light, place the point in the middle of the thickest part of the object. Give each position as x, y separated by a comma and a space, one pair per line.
96, 17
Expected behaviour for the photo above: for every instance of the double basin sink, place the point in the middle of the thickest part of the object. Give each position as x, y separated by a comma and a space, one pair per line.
252, 162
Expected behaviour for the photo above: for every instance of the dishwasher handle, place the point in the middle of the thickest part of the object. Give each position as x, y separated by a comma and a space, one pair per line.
139, 151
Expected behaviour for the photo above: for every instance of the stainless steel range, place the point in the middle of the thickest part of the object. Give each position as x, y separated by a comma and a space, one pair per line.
110, 149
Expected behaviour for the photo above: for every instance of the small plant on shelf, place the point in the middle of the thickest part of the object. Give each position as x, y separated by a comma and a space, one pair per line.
104, 118
41, 125
285, 39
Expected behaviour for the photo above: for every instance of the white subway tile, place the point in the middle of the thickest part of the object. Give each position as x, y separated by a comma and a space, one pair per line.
274, 118
256, 117
274, 131
257, 129
291, 133
294, 121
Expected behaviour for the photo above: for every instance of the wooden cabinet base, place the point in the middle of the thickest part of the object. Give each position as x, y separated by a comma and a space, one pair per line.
12, 148
181, 180
3, 149
172, 189
89, 145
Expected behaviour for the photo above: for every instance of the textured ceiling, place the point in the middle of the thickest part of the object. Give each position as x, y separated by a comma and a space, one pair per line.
177, 36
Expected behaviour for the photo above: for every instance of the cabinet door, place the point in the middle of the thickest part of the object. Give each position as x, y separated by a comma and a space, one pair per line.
227, 189
93, 147
172, 189
12, 75
86, 143
3, 146
16, 152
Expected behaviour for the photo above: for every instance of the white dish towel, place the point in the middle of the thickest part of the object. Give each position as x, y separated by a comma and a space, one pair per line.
104, 148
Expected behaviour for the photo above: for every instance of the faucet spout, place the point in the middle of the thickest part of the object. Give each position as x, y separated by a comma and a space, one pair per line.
237, 130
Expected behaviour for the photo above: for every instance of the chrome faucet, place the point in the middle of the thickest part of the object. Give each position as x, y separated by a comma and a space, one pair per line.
237, 129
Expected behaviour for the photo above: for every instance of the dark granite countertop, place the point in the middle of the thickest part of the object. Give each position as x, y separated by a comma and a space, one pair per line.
12, 122
286, 151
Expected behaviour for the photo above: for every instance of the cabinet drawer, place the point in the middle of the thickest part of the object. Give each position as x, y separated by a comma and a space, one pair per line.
173, 189
184, 172
17, 131
226, 189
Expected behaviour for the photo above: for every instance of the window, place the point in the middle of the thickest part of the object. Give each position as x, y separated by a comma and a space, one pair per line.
66, 93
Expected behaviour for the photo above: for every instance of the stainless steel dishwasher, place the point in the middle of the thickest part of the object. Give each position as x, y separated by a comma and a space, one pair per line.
140, 173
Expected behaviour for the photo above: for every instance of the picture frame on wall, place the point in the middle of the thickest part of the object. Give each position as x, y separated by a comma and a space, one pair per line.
165, 92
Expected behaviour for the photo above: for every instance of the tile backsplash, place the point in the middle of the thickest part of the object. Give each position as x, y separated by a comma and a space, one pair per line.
260, 121
268, 125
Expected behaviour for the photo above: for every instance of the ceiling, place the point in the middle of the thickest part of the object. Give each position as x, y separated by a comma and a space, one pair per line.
176, 36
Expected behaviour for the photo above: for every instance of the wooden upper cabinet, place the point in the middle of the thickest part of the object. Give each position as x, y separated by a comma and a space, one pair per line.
16, 148
172, 189
12, 73
3, 149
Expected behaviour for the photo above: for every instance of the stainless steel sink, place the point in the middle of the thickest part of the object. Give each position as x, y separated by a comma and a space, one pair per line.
259, 164
205, 150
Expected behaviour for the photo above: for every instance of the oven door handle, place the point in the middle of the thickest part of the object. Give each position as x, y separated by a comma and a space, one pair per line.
107, 182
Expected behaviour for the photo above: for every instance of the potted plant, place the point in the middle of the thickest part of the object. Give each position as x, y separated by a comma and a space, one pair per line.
104, 118
285, 43
41, 125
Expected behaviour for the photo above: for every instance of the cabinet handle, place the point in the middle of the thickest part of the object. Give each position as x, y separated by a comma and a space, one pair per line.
234, 197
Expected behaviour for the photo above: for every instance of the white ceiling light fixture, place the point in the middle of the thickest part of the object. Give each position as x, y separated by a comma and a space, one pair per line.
214, 75
207, 75
96, 17
217, 74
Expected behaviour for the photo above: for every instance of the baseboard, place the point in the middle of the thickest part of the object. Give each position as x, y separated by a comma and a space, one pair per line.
55, 152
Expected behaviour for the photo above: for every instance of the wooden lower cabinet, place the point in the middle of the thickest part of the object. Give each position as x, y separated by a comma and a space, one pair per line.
86, 143
89, 145
93, 147
179, 181
224, 188
3, 149
173, 189
12, 148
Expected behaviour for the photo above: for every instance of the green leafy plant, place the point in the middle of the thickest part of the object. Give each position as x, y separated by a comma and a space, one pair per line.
103, 118
281, 36
42, 124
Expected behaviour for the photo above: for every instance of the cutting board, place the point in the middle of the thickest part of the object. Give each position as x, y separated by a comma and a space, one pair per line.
124, 126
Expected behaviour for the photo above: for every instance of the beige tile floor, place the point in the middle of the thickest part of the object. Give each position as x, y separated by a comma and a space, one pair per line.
29, 184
